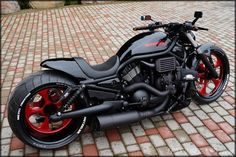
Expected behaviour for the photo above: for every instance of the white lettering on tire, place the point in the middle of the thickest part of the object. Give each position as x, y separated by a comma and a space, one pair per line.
21, 104
82, 125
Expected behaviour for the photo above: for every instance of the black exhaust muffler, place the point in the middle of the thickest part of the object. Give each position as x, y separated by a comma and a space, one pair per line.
105, 121
114, 120
107, 105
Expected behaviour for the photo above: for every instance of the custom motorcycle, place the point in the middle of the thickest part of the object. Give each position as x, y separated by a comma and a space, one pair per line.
157, 71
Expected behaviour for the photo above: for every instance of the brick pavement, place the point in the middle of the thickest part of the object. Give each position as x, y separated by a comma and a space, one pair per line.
95, 32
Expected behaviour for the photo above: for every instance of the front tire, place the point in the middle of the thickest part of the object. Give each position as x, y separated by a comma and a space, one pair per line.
209, 89
31, 104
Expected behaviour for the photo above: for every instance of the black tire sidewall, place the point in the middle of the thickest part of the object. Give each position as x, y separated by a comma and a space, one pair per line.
203, 100
21, 130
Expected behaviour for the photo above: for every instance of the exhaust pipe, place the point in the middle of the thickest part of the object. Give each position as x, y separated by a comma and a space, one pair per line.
107, 105
119, 118
147, 87
114, 120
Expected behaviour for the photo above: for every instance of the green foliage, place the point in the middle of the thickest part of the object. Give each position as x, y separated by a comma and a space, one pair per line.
129, 0
69, 2
24, 4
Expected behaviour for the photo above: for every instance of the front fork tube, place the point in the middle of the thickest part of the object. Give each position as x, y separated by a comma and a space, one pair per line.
202, 57
208, 65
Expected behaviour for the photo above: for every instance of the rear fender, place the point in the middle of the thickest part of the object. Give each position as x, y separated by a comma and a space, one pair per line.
65, 65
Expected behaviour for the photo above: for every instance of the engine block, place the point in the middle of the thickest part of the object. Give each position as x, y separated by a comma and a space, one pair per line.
131, 73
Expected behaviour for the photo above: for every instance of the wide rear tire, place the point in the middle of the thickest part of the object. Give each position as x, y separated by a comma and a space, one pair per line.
30, 105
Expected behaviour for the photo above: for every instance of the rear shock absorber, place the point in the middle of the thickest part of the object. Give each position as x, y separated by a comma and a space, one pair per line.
75, 96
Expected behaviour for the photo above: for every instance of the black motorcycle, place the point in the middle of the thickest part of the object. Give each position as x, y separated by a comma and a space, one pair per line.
155, 72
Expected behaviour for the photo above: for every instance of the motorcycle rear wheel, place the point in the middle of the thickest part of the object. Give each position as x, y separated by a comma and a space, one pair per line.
31, 104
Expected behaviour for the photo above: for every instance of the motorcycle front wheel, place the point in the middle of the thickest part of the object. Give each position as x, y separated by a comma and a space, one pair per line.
207, 88
31, 104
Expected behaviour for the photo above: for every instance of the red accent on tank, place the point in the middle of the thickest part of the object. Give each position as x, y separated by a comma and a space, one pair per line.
158, 43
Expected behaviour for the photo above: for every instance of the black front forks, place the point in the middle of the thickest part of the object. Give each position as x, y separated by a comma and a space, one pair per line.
208, 65
202, 56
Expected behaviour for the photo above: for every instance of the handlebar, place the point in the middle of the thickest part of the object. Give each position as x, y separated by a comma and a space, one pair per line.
187, 26
141, 28
201, 28
153, 26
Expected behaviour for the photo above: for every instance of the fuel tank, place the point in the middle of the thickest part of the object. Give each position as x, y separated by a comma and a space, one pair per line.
144, 43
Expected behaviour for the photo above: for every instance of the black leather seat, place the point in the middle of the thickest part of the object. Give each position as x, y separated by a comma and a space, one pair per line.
105, 69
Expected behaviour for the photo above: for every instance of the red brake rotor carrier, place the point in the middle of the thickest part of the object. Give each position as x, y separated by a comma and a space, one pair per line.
38, 108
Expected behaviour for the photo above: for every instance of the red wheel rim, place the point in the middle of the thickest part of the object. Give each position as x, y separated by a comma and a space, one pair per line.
208, 86
41, 106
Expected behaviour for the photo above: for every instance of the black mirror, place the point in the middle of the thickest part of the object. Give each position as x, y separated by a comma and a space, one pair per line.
146, 17
198, 14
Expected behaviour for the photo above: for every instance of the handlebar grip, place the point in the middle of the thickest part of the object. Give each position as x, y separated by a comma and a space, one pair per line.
201, 28
140, 28
149, 27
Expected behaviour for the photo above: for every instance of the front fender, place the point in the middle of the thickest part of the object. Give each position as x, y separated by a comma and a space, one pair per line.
203, 52
205, 48
66, 65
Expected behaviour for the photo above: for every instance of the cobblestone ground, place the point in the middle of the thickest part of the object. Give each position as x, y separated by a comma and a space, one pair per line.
96, 32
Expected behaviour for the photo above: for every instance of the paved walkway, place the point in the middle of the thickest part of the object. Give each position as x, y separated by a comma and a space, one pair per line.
96, 32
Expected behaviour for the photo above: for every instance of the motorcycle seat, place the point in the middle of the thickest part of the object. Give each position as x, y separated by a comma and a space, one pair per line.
105, 69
